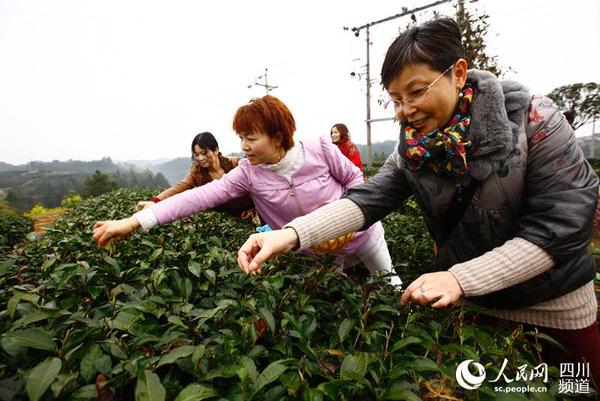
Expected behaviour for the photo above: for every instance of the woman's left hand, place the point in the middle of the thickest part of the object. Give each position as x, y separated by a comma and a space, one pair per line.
441, 287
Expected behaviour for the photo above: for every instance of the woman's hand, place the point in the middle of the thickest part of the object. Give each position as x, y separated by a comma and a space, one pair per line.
144, 204
260, 247
105, 232
441, 287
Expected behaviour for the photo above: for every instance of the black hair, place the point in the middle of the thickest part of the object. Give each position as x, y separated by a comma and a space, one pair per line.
205, 140
436, 43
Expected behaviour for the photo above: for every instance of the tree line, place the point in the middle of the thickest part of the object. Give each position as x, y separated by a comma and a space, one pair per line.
47, 186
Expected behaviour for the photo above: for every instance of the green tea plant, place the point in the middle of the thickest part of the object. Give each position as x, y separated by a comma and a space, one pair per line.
168, 315
14, 228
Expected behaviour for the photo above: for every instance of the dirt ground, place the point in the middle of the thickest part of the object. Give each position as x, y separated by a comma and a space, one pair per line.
45, 220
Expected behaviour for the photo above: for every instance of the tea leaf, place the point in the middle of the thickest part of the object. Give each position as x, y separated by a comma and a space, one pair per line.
6, 265
356, 364
61, 381
249, 368
195, 268
424, 364
403, 343
210, 276
41, 377
400, 394
384, 308
87, 366
47, 264
31, 318
149, 387
175, 354
84, 393
269, 375
331, 387
156, 254
196, 392
112, 262
345, 327
291, 380
33, 338
268, 316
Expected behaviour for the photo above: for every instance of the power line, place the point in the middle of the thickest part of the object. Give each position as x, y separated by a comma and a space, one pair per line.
366, 26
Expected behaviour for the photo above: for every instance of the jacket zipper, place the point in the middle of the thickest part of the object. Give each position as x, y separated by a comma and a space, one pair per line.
459, 191
488, 151
293, 194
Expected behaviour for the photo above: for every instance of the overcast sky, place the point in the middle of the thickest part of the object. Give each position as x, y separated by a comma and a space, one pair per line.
137, 79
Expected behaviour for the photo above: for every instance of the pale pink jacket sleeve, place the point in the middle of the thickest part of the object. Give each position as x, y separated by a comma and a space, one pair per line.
232, 185
341, 168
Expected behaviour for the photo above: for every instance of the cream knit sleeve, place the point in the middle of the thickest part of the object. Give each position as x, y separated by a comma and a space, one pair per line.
327, 222
515, 261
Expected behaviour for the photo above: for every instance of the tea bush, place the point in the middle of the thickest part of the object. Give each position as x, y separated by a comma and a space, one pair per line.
168, 315
13, 229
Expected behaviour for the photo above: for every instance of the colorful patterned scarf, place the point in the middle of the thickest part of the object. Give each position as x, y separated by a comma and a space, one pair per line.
442, 151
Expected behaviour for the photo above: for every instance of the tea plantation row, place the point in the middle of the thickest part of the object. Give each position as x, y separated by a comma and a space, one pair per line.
168, 315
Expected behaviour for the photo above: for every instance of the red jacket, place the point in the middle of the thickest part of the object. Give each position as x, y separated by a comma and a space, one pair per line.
350, 150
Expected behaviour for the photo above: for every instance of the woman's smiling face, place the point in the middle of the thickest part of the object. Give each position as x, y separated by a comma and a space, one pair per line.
426, 98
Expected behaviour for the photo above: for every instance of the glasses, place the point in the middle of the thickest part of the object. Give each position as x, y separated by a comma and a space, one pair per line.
416, 96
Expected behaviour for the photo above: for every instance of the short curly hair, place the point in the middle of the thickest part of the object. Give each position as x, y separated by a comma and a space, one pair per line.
269, 115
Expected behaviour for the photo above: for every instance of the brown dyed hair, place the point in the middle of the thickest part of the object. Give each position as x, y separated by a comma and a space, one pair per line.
269, 115
343, 130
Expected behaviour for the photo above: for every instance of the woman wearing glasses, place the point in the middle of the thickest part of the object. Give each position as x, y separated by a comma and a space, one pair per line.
284, 179
502, 184
341, 137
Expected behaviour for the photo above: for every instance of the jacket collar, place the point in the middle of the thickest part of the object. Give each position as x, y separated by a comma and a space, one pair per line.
496, 120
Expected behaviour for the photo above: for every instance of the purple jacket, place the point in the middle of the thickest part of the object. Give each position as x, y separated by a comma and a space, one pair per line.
323, 178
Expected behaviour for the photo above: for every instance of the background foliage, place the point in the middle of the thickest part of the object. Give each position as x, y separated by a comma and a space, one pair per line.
579, 101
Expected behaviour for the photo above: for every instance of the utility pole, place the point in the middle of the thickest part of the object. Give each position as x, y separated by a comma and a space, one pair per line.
369, 149
593, 144
356, 31
266, 85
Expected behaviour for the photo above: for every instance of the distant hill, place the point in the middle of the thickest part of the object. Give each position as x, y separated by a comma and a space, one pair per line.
10, 167
48, 182
174, 170
147, 163
381, 150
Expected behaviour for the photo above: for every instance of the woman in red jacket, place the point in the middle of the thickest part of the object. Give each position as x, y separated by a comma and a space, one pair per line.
341, 137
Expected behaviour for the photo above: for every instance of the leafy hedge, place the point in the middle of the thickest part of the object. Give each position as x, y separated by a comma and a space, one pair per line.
13, 229
168, 315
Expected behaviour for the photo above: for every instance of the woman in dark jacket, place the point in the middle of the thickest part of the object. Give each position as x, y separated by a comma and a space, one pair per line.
502, 184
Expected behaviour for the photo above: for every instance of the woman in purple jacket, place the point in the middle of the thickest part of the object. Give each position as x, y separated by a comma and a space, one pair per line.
284, 179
